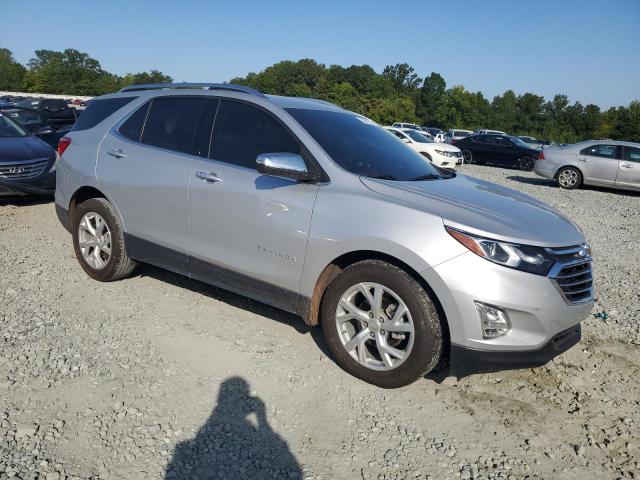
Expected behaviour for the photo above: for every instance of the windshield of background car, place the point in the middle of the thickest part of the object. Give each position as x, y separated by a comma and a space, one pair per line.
361, 146
9, 129
417, 136
461, 133
28, 103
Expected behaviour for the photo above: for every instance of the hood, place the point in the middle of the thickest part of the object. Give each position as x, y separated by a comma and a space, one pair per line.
485, 209
15, 149
445, 147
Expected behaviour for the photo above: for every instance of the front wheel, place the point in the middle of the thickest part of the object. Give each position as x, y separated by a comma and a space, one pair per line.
381, 325
569, 178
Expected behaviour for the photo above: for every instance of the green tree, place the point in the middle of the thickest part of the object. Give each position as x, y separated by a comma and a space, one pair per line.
154, 76
11, 72
403, 76
431, 100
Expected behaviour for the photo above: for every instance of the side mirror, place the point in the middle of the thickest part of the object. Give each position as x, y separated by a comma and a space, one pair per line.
288, 165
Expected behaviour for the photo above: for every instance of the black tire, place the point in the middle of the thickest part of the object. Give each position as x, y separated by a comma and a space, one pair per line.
569, 178
468, 157
526, 163
427, 156
118, 265
428, 335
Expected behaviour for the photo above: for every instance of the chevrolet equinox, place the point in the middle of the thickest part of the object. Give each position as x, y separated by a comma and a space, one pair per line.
318, 211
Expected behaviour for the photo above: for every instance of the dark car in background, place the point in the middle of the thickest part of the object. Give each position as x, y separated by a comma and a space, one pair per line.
53, 111
27, 164
32, 121
499, 150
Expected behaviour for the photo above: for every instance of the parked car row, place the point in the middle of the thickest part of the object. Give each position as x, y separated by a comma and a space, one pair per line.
440, 154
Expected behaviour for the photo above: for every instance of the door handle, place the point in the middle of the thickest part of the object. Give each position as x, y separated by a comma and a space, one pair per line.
208, 177
626, 165
116, 152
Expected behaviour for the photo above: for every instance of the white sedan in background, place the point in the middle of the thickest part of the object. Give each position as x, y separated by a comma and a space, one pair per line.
440, 154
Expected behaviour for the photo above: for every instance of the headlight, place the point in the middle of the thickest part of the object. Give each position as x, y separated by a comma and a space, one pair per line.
445, 153
521, 257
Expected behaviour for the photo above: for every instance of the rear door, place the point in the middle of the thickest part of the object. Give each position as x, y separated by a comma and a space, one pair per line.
248, 231
629, 168
600, 163
144, 164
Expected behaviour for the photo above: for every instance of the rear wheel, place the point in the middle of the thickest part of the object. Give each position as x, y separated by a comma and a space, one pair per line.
526, 163
381, 325
98, 241
468, 156
569, 178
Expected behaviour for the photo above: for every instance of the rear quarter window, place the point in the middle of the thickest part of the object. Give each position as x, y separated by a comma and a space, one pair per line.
98, 110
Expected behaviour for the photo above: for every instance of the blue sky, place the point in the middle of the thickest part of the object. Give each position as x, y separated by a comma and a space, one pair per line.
586, 49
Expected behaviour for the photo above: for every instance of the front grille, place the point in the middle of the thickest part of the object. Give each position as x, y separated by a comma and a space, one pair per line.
24, 170
575, 282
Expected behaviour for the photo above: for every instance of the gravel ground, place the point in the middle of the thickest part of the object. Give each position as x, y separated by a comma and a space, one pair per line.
158, 376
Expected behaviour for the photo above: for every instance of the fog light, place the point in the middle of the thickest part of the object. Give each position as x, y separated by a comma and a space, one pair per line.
493, 321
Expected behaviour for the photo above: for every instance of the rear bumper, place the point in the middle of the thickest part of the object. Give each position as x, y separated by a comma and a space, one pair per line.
63, 216
464, 361
545, 169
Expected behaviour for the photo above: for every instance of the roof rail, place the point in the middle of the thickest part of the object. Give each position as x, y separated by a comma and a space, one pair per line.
204, 86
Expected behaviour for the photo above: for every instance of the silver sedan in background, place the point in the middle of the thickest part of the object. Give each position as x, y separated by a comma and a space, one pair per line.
606, 163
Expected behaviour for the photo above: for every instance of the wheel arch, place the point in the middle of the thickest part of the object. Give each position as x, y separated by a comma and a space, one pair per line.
311, 308
87, 192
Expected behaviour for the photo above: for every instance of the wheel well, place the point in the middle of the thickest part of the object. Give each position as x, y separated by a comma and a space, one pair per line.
83, 194
331, 271
425, 154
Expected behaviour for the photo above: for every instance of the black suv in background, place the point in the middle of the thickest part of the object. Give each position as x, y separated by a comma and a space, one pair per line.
53, 111
499, 150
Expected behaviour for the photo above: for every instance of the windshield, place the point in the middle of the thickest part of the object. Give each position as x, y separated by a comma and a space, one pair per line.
10, 129
363, 147
417, 136
461, 133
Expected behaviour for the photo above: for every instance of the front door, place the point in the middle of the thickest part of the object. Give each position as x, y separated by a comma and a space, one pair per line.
629, 168
600, 163
247, 231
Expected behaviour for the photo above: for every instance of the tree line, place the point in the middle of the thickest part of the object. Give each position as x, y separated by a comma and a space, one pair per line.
396, 94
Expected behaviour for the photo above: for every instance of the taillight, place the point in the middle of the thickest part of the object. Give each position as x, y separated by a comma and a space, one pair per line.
63, 144
541, 155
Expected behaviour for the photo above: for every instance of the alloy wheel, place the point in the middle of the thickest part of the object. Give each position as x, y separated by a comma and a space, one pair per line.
468, 156
374, 326
94, 239
568, 178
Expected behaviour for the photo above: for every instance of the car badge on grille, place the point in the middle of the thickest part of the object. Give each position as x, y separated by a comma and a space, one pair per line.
14, 170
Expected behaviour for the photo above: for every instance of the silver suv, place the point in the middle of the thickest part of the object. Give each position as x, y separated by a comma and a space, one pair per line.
316, 210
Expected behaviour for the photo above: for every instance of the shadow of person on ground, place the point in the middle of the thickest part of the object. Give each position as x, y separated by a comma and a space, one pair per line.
232, 446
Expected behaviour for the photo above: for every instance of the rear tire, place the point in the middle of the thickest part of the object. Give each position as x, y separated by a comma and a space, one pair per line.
468, 157
569, 178
391, 342
98, 241
526, 163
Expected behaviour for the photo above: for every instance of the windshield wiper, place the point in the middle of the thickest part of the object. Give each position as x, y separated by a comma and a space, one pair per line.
430, 176
382, 177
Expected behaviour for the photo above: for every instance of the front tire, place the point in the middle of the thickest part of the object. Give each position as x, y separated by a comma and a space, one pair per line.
98, 241
381, 325
569, 178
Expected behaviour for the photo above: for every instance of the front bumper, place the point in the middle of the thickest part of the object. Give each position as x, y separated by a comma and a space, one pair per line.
444, 161
468, 361
536, 310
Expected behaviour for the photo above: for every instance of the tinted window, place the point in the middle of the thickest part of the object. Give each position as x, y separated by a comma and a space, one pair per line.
418, 137
461, 133
132, 128
23, 117
98, 110
482, 139
605, 151
171, 123
632, 154
242, 132
361, 146
29, 103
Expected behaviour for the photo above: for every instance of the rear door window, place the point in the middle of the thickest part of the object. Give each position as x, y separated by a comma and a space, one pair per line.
603, 151
171, 123
631, 154
131, 129
98, 110
242, 132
